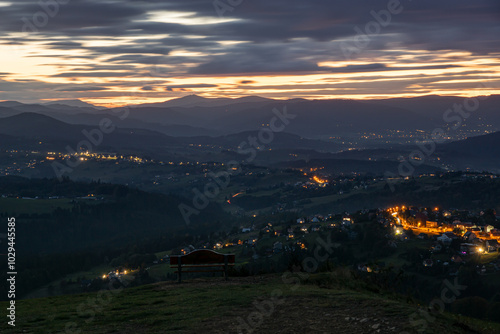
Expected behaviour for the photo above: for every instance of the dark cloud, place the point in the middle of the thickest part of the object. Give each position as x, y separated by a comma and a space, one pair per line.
378, 67
275, 37
64, 45
91, 74
186, 86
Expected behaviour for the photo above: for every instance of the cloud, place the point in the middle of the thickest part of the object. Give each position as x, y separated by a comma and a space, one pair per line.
187, 86
81, 89
149, 39
91, 74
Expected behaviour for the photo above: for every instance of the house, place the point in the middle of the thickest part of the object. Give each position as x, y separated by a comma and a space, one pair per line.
431, 224
495, 233
266, 230
488, 228
481, 270
468, 226
492, 245
365, 268
301, 245
463, 226
447, 237
470, 236
420, 219
456, 259
428, 263
332, 225
451, 235
315, 228
304, 229
246, 229
251, 242
277, 247
444, 239
470, 248
347, 220
301, 221
436, 248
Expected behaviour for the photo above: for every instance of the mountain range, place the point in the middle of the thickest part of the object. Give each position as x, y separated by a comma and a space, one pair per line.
194, 115
318, 130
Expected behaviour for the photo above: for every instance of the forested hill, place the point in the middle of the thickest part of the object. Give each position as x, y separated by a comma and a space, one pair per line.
75, 226
93, 215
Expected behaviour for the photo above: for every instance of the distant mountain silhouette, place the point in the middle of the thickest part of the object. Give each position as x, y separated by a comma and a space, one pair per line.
45, 128
194, 115
477, 153
485, 145
73, 103
314, 118
199, 101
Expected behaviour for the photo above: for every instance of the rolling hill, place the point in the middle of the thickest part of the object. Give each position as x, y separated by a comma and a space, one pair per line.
44, 128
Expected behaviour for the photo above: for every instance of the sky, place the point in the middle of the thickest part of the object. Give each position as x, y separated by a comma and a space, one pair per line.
112, 52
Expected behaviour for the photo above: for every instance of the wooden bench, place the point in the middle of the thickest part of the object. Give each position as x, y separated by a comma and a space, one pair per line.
202, 261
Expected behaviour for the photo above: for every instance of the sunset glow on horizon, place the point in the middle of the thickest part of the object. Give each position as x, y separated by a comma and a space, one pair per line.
125, 52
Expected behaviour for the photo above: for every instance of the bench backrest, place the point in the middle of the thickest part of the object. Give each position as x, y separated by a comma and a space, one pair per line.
202, 256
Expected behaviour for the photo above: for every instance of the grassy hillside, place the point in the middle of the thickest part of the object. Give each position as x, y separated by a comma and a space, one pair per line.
322, 303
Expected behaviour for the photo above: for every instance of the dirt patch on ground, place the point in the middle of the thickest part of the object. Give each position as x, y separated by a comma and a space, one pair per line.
305, 315
328, 311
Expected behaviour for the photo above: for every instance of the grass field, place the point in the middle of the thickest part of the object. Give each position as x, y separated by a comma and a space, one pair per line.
263, 304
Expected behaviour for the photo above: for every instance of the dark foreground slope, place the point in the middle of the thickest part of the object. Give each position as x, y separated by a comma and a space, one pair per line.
243, 305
